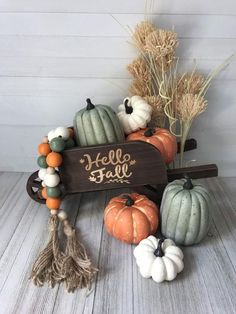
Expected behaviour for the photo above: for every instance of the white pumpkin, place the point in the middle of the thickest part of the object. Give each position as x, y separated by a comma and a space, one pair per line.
134, 114
161, 260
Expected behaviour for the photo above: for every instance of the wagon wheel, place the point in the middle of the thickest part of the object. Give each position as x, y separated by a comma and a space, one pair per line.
34, 188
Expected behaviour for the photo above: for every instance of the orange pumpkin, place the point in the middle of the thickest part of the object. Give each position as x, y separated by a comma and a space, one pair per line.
162, 139
131, 217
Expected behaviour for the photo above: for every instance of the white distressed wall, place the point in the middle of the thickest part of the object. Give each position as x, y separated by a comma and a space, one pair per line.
56, 53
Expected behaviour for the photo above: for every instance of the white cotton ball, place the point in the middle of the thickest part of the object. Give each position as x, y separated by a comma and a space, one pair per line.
62, 132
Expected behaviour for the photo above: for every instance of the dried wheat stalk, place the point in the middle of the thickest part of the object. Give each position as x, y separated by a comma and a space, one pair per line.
176, 99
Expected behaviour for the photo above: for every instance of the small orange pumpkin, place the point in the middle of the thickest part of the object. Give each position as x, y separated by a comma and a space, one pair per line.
162, 139
131, 217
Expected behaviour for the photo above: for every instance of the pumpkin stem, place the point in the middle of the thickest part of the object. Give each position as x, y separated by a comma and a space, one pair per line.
129, 201
158, 252
90, 106
188, 185
149, 132
128, 109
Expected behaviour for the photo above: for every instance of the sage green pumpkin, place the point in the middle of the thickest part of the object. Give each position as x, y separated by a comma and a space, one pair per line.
98, 124
185, 212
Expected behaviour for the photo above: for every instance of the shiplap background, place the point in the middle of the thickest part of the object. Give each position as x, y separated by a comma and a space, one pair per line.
54, 54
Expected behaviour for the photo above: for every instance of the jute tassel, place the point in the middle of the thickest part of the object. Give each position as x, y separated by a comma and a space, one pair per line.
77, 269
47, 267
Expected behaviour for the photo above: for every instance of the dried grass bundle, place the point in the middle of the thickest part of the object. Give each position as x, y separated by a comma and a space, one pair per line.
149, 70
139, 88
176, 99
161, 44
141, 31
190, 83
139, 70
188, 108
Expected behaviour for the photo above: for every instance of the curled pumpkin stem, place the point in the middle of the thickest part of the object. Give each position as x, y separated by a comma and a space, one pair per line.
159, 252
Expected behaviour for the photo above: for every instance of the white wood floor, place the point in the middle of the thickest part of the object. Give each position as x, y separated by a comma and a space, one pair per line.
207, 284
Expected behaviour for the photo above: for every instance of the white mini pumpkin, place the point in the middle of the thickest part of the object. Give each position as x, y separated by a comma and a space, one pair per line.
159, 259
134, 114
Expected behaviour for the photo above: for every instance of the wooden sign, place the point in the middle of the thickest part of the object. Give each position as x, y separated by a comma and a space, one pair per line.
137, 165
112, 166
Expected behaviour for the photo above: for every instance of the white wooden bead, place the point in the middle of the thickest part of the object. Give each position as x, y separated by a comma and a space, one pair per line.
41, 174
45, 139
52, 180
50, 170
62, 215
62, 132
53, 211
51, 135
43, 184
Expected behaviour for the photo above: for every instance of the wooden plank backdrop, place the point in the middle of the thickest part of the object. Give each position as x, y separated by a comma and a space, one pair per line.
67, 24
123, 6
55, 54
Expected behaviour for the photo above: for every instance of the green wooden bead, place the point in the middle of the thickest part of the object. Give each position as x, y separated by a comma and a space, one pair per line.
53, 192
57, 144
42, 162
70, 143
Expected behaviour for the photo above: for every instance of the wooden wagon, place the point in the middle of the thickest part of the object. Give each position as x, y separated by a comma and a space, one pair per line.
136, 165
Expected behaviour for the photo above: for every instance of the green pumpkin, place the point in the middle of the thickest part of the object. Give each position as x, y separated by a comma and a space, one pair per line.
98, 124
185, 212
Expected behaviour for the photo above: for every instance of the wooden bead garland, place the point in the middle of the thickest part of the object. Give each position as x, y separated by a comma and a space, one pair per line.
49, 159
73, 267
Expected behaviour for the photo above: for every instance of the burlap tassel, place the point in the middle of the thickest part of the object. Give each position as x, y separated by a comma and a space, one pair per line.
77, 269
47, 267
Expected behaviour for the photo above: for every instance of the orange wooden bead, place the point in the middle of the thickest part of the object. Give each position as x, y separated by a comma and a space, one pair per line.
44, 149
44, 194
71, 132
53, 203
54, 159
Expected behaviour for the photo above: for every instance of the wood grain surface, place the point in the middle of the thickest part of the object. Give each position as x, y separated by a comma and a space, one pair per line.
207, 284
104, 167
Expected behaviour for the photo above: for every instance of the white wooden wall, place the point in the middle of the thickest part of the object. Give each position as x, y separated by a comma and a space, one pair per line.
55, 53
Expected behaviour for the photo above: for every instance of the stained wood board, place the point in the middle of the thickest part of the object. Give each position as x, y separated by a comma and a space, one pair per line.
207, 284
